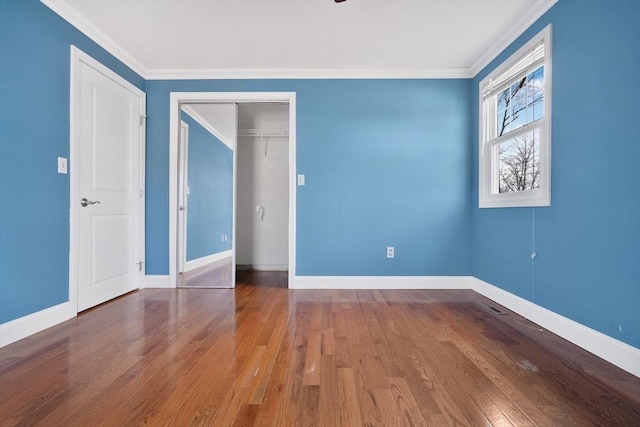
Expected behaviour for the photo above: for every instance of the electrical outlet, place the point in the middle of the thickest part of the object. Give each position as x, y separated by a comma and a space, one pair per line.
390, 252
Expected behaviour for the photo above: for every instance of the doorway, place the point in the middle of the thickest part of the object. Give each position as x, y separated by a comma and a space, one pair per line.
177, 100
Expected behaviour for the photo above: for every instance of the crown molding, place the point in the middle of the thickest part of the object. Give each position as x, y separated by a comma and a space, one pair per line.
509, 36
309, 73
84, 26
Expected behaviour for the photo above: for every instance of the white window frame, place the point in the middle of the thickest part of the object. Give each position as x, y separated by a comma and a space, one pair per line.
489, 197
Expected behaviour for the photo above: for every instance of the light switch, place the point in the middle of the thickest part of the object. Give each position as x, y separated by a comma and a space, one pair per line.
62, 165
300, 180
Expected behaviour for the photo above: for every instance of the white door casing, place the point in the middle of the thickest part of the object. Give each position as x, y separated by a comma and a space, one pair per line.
106, 166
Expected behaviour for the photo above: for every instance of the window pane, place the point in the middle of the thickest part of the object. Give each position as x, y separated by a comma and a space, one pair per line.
502, 99
519, 118
538, 109
503, 116
519, 163
535, 90
518, 103
521, 104
502, 122
537, 77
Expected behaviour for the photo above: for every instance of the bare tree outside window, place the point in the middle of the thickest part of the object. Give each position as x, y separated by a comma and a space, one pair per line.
519, 158
519, 164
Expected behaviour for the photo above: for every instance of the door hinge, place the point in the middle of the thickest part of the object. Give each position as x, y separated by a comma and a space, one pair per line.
140, 263
140, 195
142, 119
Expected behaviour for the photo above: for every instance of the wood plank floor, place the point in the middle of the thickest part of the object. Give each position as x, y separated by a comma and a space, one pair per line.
268, 356
214, 275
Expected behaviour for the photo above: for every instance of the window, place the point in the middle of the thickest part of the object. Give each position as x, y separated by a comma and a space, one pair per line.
515, 129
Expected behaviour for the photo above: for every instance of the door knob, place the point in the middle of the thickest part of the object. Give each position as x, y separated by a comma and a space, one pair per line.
84, 202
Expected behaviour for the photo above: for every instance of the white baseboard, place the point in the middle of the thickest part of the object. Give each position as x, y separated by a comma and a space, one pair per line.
616, 352
156, 281
263, 267
381, 282
25, 326
201, 262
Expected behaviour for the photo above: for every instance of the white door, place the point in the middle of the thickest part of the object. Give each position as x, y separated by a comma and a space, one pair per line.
108, 159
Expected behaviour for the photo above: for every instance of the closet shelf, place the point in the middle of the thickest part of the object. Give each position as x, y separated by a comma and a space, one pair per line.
266, 133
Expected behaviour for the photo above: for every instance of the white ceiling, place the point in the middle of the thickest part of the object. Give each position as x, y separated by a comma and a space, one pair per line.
304, 38
219, 119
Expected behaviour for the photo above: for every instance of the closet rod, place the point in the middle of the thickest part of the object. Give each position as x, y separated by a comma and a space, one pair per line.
267, 133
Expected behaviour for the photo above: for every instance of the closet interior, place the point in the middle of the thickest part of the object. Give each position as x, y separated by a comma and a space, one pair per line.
262, 190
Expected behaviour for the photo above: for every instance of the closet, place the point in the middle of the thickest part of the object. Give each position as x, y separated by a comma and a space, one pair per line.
262, 192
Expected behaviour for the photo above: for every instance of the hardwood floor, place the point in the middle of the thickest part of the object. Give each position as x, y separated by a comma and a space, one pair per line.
215, 275
267, 356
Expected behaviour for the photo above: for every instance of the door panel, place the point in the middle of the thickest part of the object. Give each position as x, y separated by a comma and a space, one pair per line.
112, 138
111, 253
205, 195
109, 141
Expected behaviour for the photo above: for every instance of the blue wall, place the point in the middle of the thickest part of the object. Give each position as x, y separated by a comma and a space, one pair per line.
387, 163
34, 131
588, 242
210, 200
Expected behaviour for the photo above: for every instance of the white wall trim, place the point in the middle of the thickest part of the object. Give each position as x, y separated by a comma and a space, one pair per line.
107, 43
616, 352
201, 262
308, 73
33, 323
381, 282
202, 122
263, 267
509, 36
156, 281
